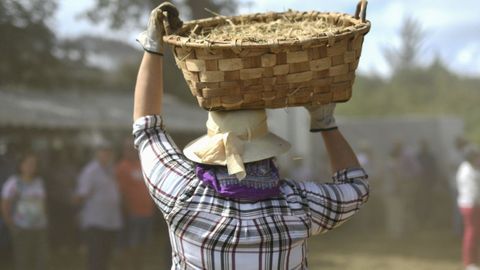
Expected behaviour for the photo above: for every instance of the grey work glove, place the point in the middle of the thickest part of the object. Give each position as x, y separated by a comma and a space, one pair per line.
163, 20
321, 117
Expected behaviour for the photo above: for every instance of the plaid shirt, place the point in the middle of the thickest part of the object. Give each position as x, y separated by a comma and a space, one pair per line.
208, 231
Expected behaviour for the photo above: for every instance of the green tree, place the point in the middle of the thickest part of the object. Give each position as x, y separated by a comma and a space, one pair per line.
415, 90
95, 63
28, 44
405, 57
127, 13
34, 58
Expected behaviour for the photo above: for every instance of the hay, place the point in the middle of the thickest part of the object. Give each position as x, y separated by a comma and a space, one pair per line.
285, 28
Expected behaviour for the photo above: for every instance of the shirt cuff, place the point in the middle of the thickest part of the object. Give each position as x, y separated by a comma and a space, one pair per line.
348, 175
142, 125
147, 122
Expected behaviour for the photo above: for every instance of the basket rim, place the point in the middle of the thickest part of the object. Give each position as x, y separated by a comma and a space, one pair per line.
359, 27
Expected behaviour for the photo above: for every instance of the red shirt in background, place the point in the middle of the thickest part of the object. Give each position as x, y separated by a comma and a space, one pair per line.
134, 192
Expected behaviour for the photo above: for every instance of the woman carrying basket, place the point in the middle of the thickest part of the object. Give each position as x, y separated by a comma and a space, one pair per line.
225, 204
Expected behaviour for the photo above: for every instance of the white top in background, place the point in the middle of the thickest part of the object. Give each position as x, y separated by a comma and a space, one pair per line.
468, 185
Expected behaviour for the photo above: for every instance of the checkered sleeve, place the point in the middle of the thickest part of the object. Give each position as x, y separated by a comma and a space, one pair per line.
165, 169
334, 203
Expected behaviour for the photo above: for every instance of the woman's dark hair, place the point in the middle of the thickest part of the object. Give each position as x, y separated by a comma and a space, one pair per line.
471, 153
22, 158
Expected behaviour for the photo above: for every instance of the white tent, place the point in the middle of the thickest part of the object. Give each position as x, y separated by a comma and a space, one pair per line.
87, 110
377, 133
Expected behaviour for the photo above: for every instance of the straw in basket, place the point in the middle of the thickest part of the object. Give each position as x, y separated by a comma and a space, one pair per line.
285, 71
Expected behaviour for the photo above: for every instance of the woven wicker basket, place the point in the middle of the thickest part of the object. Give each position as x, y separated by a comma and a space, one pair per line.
281, 73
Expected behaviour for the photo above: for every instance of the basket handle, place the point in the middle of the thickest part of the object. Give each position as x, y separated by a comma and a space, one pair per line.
361, 12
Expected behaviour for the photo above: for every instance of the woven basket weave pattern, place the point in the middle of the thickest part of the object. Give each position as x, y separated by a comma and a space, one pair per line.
245, 76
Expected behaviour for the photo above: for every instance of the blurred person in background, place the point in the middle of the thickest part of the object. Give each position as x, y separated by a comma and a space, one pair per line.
138, 208
7, 168
98, 195
456, 158
429, 184
397, 191
7, 162
368, 218
223, 199
468, 185
24, 212
62, 173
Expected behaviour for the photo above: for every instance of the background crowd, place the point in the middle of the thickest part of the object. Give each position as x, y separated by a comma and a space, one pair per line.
99, 205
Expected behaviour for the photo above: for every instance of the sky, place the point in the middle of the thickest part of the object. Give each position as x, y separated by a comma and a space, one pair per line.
452, 27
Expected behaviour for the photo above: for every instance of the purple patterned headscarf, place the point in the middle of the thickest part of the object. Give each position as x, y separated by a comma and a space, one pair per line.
261, 182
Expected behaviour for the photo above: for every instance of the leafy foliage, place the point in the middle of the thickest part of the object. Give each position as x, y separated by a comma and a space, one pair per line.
28, 44
33, 57
128, 13
406, 56
133, 13
414, 90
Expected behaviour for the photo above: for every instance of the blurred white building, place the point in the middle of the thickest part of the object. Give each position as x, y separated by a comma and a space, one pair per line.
47, 118
378, 134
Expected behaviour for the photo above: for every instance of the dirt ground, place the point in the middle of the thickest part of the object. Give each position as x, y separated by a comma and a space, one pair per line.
369, 251
343, 249
424, 253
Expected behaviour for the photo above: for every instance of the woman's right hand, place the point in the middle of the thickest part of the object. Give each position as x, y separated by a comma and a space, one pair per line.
163, 20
